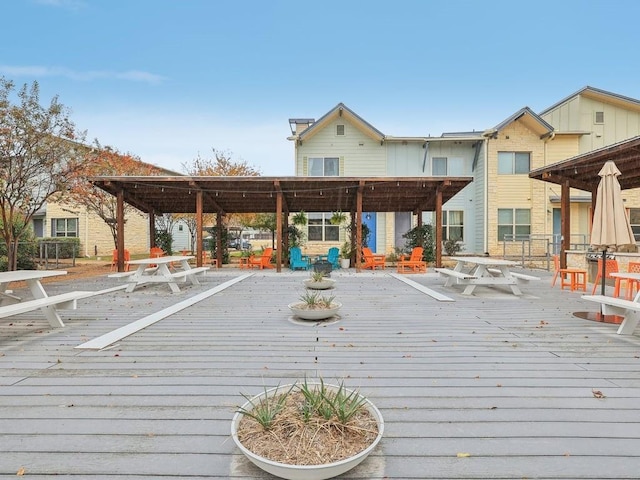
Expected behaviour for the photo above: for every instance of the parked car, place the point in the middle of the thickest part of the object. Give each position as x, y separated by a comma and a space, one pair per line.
235, 243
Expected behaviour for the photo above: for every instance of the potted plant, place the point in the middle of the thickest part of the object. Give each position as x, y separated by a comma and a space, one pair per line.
313, 306
318, 281
308, 431
345, 255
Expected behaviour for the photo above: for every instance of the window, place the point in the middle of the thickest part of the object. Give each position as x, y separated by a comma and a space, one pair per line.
324, 167
598, 117
439, 166
452, 225
443, 166
513, 163
634, 219
320, 228
64, 227
515, 223
339, 129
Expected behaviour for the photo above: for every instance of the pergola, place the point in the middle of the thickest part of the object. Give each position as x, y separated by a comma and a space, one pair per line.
156, 195
581, 172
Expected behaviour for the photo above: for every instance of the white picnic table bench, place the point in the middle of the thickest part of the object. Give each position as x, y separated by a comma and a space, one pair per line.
484, 271
11, 304
629, 310
158, 270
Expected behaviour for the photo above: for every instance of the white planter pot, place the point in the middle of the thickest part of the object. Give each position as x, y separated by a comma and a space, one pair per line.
317, 314
345, 262
305, 472
321, 285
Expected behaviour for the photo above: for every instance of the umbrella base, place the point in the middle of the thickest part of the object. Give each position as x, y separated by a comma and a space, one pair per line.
599, 317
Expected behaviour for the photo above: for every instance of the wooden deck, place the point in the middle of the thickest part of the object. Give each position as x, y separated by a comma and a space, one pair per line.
488, 386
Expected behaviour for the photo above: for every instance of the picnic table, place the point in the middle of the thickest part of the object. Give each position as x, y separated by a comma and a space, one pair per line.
11, 304
484, 271
158, 270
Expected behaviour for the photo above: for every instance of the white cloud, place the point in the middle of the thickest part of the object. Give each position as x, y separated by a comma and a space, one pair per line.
42, 71
66, 4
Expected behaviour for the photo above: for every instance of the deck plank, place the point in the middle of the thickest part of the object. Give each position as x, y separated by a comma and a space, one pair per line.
509, 380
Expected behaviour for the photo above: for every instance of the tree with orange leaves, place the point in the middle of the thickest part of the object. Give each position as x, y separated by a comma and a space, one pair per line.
106, 162
220, 165
40, 152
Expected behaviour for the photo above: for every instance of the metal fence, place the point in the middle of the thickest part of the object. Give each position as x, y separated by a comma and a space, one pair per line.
53, 255
537, 250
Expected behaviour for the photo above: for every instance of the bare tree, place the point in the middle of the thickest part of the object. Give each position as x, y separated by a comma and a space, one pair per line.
40, 152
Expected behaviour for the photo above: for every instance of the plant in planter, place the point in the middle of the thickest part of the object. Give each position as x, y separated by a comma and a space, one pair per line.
313, 306
318, 281
311, 431
345, 254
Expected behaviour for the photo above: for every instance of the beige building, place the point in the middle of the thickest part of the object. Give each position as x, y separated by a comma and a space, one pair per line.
503, 210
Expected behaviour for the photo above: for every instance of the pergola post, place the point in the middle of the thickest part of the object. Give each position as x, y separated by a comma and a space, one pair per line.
565, 222
438, 233
279, 231
219, 228
199, 228
120, 229
358, 245
152, 229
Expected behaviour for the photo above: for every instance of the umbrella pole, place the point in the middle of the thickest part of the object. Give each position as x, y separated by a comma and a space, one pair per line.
604, 271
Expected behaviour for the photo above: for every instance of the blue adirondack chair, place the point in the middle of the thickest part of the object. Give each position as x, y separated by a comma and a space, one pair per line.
297, 260
333, 257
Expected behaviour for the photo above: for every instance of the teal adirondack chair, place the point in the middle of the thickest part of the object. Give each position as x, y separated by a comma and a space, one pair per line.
333, 257
297, 260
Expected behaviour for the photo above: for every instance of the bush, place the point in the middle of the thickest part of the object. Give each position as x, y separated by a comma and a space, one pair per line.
67, 247
422, 237
452, 246
164, 240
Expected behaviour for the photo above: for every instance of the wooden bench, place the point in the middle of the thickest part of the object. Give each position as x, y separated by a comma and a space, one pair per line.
155, 277
520, 276
132, 272
452, 273
47, 305
628, 309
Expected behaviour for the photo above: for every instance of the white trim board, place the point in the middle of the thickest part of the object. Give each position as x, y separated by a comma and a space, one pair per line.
122, 332
432, 293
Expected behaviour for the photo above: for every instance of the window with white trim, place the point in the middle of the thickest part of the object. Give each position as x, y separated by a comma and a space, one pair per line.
514, 163
443, 166
320, 228
515, 223
634, 220
453, 225
324, 167
64, 227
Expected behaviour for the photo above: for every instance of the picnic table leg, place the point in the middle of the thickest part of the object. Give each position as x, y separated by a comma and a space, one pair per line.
135, 278
50, 312
192, 278
163, 271
629, 323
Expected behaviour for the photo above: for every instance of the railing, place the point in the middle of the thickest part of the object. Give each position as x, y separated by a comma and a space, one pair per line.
51, 251
537, 250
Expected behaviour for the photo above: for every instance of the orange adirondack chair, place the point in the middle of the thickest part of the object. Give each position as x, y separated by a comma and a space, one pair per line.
371, 260
263, 261
413, 263
114, 260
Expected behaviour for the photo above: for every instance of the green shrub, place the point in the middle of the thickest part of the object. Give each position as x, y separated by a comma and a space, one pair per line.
422, 236
67, 247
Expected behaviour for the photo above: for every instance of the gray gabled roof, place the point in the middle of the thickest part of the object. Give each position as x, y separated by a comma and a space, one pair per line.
339, 110
546, 127
597, 92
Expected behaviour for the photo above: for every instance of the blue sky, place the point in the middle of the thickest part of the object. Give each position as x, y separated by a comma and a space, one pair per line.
168, 80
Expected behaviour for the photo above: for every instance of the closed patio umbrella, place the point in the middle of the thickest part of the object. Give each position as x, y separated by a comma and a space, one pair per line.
611, 228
